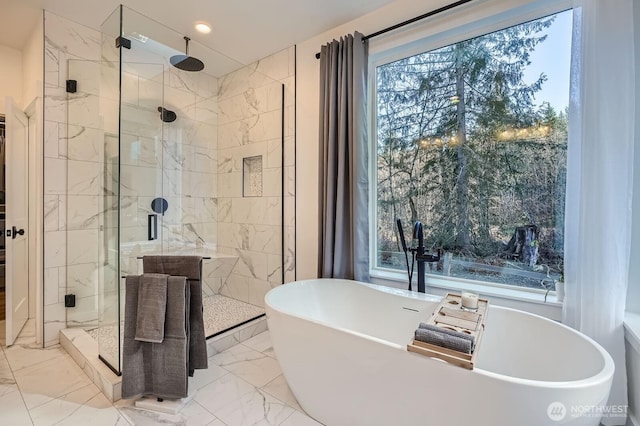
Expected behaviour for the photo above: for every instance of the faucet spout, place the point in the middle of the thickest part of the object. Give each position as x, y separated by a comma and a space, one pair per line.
421, 257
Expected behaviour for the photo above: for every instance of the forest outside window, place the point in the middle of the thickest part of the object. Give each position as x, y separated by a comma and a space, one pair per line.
472, 141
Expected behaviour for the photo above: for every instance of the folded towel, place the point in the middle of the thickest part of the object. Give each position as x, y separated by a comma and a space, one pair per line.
190, 267
454, 333
152, 306
156, 369
180, 266
444, 340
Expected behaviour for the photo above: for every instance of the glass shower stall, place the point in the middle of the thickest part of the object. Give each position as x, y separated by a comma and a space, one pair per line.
181, 160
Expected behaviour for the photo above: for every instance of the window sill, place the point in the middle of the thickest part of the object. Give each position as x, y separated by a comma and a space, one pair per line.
527, 300
632, 329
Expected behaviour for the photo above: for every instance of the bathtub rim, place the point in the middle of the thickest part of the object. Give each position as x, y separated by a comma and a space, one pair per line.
603, 375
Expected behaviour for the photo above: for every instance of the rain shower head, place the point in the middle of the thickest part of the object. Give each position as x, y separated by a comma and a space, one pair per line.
166, 115
186, 62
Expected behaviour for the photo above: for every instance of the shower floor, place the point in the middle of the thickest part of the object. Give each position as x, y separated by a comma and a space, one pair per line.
220, 313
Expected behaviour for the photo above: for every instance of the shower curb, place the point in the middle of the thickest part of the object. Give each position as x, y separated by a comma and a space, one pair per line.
84, 351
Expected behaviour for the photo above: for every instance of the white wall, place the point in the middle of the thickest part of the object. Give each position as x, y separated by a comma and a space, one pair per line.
308, 88
10, 75
33, 65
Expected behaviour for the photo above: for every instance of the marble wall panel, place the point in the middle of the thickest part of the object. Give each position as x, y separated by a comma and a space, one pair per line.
250, 123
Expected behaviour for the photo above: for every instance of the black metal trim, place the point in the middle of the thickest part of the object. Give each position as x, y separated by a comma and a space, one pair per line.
118, 262
235, 326
123, 42
142, 257
152, 227
116, 372
295, 162
412, 20
71, 86
282, 186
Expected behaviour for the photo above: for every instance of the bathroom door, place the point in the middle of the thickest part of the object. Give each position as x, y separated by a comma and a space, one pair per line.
16, 239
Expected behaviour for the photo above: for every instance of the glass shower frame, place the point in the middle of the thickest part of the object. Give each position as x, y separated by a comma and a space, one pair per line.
144, 159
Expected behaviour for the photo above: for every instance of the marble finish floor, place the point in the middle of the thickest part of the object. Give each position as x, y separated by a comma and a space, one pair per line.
242, 386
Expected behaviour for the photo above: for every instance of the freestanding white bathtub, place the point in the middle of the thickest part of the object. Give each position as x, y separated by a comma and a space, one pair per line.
342, 348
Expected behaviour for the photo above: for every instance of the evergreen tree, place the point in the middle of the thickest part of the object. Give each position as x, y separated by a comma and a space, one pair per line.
462, 147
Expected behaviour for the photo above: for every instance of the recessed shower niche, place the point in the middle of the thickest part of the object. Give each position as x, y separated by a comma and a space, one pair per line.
252, 176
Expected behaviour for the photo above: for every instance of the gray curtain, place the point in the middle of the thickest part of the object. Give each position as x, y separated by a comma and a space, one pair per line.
344, 183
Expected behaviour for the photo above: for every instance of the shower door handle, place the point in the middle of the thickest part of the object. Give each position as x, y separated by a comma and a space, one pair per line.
152, 226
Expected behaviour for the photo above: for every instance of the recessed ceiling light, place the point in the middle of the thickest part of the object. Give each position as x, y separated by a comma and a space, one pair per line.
203, 27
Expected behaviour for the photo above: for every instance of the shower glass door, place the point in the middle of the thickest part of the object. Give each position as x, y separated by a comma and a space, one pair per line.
192, 164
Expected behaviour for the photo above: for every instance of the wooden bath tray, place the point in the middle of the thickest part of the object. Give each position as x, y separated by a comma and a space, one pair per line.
449, 315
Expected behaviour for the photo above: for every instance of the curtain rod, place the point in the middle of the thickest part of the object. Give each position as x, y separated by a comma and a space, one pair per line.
412, 20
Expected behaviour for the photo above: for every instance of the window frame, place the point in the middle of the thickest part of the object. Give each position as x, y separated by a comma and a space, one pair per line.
467, 23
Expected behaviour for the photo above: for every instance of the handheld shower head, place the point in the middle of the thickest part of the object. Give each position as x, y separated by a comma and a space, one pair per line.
401, 235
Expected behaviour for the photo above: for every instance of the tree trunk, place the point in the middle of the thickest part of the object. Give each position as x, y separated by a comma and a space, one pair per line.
463, 239
524, 244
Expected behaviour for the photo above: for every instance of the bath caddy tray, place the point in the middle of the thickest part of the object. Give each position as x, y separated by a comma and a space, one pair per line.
449, 315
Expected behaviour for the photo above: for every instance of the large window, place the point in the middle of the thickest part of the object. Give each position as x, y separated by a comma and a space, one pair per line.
472, 142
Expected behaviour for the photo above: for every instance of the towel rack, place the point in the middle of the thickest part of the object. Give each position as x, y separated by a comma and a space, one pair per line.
141, 257
204, 258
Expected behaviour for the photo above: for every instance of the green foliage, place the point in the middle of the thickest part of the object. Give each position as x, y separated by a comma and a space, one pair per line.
463, 148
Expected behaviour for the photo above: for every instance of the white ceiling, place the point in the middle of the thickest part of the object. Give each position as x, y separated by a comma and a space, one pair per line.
245, 30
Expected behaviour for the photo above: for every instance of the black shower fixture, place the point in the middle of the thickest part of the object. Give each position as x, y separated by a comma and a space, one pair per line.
166, 115
186, 62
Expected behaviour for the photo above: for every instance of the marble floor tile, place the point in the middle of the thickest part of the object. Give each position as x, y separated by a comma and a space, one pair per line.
255, 408
24, 356
201, 378
98, 411
279, 388
12, 408
222, 392
243, 385
261, 343
300, 419
48, 380
83, 406
251, 366
193, 414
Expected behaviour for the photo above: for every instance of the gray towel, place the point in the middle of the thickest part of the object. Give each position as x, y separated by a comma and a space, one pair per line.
444, 340
181, 266
453, 333
152, 305
190, 267
156, 369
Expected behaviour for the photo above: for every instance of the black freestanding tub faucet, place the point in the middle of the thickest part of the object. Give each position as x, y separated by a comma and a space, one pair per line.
418, 254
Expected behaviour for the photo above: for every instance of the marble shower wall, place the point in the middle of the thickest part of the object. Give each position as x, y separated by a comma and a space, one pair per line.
250, 125
72, 165
177, 160
196, 161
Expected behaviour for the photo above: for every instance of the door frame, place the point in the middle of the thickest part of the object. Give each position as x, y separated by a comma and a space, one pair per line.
35, 113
